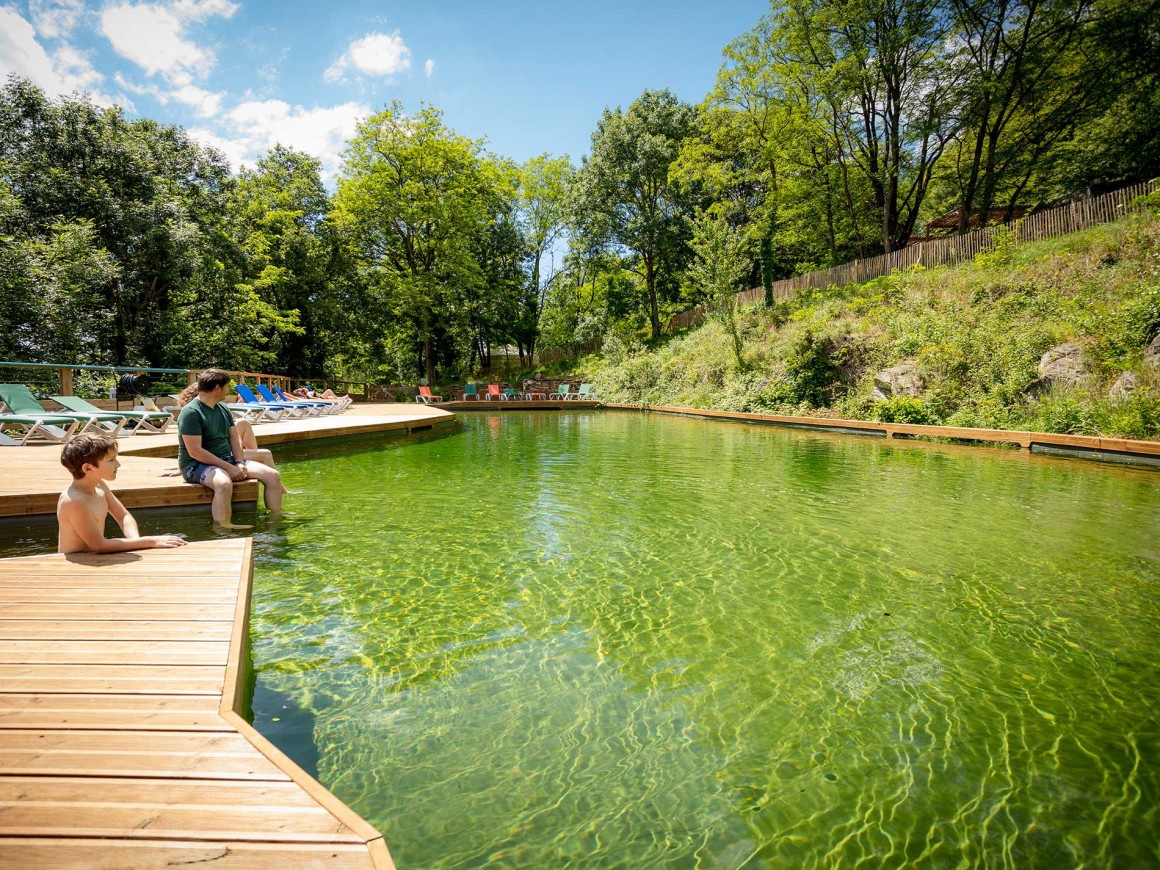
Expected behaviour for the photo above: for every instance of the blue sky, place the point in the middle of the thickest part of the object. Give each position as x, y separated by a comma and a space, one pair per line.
242, 74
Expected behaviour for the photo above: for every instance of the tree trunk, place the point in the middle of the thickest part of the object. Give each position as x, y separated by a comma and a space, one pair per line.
650, 278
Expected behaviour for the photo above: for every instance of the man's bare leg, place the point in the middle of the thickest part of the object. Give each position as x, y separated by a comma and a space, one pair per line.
223, 495
272, 488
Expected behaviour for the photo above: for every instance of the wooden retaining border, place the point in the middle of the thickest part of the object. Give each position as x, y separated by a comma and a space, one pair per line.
1082, 446
122, 737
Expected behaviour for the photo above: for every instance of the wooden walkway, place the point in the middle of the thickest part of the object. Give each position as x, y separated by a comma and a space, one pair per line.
121, 745
32, 478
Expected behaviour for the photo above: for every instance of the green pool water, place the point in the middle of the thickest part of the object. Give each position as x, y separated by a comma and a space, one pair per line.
621, 640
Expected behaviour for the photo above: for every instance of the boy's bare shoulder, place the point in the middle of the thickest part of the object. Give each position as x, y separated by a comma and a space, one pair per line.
74, 495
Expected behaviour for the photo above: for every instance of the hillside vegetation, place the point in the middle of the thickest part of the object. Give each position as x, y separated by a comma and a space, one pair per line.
975, 333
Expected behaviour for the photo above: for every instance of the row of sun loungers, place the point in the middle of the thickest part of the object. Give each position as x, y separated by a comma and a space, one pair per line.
494, 391
24, 420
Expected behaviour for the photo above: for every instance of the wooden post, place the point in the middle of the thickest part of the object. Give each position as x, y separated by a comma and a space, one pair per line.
66, 386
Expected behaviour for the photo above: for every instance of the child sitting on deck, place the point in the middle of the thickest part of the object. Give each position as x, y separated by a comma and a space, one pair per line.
82, 508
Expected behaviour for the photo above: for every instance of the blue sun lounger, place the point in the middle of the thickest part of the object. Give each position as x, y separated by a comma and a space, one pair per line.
249, 400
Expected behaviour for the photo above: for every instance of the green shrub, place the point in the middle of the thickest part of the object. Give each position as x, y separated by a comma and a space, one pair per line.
1136, 417
1000, 251
904, 409
811, 369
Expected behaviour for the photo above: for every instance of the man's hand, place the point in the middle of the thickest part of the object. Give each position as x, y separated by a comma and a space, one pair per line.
167, 541
237, 472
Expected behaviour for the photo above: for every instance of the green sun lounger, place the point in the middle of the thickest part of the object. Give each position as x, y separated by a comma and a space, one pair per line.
22, 403
42, 427
147, 421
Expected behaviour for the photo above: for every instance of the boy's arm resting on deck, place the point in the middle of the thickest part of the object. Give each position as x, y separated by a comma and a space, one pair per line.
121, 515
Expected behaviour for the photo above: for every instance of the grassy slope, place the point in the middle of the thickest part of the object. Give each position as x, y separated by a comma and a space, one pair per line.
976, 332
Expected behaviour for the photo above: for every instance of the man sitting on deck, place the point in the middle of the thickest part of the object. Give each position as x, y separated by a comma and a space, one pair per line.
82, 508
207, 445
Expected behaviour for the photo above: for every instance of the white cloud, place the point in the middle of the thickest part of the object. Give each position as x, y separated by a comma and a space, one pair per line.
376, 54
429, 67
55, 19
205, 103
64, 72
154, 37
250, 129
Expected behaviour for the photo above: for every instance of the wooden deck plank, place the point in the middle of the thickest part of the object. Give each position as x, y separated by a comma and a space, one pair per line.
285, 824
113, 629
111, 711
114, 743
163, 792
138, 595
123, 679
97, 612
24, 853
114, 652
170, 754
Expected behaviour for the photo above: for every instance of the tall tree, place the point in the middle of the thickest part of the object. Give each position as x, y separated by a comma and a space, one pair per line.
542, 209
416, 197
151, 197
624, 195
894, 93
280, 209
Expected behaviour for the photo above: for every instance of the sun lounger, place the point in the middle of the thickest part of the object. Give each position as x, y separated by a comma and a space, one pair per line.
20, 401
562, 392
425, 396
42, 427
313, 407
250, 400
147, 421
337, 406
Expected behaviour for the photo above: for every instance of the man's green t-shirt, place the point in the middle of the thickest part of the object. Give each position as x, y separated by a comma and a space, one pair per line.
212, 424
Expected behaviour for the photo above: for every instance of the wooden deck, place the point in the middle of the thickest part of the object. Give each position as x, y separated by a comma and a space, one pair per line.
32, 478
121, 745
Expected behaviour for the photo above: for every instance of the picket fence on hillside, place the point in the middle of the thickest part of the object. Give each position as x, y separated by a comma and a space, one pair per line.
1045, 224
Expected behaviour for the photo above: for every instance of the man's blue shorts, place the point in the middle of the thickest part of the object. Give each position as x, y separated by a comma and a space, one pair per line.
197, 472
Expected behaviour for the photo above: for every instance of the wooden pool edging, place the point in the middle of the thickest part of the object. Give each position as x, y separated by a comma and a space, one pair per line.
107, 765
1145, 453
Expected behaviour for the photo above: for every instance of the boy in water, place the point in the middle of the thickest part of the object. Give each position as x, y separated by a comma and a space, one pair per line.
82, 508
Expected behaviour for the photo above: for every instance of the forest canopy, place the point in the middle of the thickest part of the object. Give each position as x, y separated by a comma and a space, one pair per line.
835, 130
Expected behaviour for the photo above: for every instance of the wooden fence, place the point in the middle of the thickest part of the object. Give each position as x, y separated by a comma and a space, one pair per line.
1045, 224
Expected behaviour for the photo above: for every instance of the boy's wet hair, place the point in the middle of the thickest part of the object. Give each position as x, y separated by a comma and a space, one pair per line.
211, 379
86, 449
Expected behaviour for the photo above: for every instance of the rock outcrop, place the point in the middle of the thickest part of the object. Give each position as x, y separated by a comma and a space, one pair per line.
1064, 365
1125, 385
900, 380
1152, 353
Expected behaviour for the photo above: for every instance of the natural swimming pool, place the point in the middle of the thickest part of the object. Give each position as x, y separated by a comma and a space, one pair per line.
615, 639
625, 640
